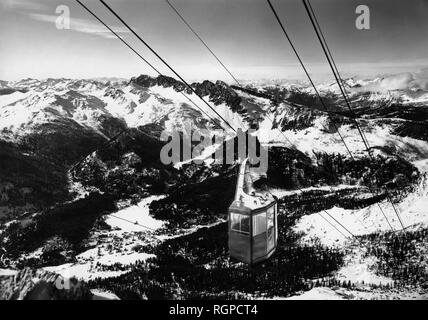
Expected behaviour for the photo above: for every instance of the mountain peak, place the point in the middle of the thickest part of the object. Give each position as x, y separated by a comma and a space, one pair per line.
147, 81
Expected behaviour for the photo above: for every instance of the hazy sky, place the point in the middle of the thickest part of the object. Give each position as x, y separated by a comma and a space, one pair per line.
243, 33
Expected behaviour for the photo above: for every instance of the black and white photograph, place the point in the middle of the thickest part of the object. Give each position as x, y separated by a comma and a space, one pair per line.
243, 151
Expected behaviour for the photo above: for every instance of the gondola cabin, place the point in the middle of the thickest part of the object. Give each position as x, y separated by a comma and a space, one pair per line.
252, 221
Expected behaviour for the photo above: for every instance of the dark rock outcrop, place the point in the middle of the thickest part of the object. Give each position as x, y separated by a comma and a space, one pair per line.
146, 81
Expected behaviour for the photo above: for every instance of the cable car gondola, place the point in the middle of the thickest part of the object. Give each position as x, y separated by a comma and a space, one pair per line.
252, 221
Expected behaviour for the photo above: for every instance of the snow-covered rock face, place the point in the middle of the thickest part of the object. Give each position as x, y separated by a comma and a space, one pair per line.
286, 115
144, 100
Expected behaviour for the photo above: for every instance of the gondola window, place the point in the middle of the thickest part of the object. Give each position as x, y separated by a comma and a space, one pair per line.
240, 223
259, 222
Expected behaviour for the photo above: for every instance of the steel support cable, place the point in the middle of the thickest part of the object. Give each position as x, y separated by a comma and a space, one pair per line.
333, 225
164, 62
306, 71
203, 42
145, 60
123, 131
114, 138
353, 115
329, 60
313, 85
130, 222
317, 92
230, 73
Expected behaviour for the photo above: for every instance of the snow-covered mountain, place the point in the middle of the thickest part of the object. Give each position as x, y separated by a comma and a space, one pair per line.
81, 176
29, 103
105, 107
